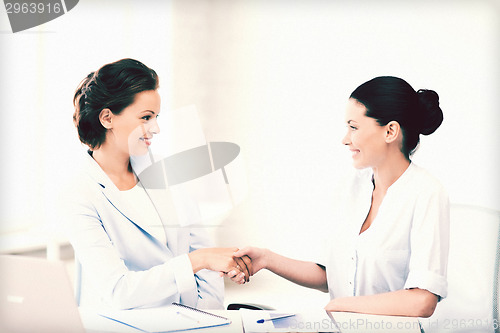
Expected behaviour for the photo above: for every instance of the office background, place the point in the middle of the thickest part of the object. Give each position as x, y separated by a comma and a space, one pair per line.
271, 76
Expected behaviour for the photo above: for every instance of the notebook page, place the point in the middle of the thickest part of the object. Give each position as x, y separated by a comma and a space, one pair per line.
165, 319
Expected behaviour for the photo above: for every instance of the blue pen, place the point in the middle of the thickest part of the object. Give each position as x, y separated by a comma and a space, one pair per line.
261, 321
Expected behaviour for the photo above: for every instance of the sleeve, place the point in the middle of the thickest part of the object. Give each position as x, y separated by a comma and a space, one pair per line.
429, 243
116, 285
210, 285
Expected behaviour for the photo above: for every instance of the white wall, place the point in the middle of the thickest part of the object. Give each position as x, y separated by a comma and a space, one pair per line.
271, 76
41, 69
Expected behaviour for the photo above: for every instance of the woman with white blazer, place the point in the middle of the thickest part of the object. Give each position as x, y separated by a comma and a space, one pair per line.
135, 248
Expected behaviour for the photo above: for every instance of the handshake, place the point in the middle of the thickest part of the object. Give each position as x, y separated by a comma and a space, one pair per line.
237, 264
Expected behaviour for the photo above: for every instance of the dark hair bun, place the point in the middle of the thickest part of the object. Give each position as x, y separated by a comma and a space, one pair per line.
80, 95
431, 113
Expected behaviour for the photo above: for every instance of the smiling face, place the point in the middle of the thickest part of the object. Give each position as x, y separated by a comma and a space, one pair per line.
365, 138
131, 131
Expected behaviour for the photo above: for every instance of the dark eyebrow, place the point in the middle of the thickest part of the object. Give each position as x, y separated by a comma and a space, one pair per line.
148, 111
351, 121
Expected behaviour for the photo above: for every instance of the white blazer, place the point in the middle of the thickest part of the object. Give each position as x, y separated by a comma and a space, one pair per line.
122, 263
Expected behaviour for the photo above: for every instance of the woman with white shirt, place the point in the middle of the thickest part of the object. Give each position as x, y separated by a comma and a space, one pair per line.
135, 245
389, 244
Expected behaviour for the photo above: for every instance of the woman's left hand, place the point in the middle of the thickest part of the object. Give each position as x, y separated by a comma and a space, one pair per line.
333, 305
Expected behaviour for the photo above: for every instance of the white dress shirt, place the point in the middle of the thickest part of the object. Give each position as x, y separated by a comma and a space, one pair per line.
128, 260
406, 245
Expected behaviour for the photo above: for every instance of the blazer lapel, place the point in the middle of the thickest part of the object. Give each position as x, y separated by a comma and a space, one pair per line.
129, 213
112, 193
154, 181
162, 199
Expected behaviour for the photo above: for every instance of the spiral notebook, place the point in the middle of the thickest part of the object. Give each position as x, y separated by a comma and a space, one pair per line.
174, 318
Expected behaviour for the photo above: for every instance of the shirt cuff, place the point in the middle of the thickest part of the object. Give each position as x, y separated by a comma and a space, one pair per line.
183, 273
430, 281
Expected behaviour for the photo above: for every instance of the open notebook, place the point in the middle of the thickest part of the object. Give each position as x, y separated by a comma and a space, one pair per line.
174, 318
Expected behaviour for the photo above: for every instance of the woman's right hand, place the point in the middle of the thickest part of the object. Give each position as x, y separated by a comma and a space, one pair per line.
217, 259
260, 257
245, 266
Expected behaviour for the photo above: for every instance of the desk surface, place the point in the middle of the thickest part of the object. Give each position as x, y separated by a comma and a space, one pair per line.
346, 322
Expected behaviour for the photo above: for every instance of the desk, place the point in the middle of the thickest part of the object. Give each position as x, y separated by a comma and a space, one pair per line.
347, 322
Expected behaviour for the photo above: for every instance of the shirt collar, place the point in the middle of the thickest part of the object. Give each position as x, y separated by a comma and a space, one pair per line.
403, 179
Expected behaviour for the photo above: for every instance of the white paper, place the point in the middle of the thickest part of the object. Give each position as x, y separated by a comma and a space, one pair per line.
316, 320
165, 319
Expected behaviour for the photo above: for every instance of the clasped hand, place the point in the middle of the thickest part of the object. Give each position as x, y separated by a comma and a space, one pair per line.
254, 260
242, 271
223, 260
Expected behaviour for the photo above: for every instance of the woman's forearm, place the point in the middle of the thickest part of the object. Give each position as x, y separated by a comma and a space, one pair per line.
408, 302
304, 273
